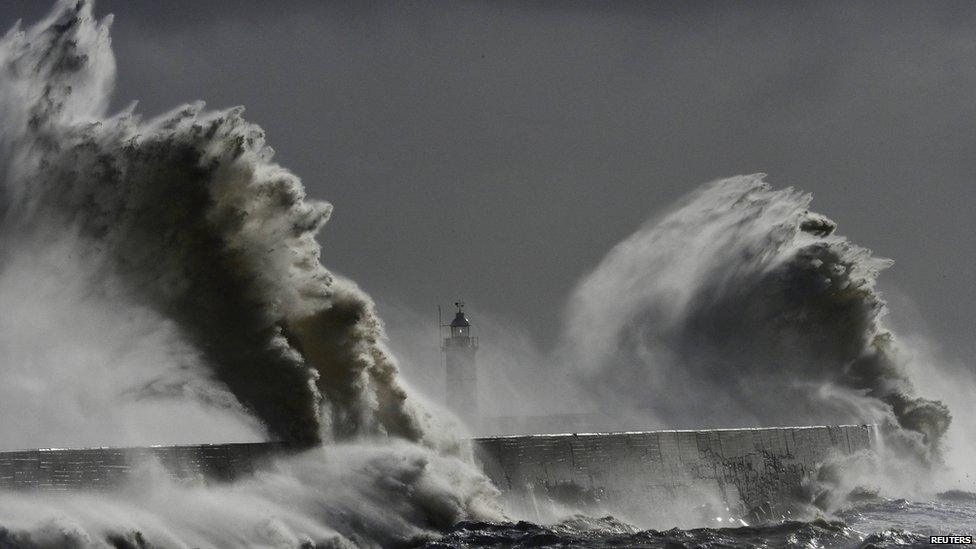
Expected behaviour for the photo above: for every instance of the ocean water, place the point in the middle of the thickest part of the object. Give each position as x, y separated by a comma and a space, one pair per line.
877, 523
874, 523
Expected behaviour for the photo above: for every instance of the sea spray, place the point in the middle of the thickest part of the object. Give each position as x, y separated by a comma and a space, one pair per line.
740, 306
192, 257
190, 217
342, 496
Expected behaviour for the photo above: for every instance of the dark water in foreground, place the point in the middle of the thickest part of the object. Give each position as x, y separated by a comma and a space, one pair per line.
874, 524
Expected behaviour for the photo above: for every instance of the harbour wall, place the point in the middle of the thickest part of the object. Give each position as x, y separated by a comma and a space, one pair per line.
666, 477
103, 469
647, 477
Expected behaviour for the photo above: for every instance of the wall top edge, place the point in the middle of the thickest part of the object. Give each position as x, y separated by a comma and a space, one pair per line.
659, 431
477, 439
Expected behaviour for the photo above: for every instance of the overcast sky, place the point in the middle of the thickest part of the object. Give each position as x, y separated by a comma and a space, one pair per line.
496, 150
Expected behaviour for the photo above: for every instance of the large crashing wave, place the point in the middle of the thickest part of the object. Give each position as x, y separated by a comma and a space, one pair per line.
188, 216
743, 307
161, 279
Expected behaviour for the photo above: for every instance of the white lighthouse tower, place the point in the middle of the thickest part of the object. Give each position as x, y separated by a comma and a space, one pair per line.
461, 369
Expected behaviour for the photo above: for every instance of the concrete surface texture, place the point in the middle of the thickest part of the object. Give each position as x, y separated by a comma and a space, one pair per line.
665, 477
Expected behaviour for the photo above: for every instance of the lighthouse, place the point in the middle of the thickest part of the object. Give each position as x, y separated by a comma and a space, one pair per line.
461, 369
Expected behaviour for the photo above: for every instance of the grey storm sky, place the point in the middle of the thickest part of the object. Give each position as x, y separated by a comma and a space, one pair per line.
497, 150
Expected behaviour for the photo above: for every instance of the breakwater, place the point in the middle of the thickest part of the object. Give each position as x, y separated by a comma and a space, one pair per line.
754, 473
671, 477
101, 469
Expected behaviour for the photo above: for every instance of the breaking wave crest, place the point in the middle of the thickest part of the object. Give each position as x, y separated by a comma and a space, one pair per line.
170, 266
190, 217
741, 305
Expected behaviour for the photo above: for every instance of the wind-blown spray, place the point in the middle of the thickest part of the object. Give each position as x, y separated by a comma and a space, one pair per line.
180, 238
742, 307
190, 217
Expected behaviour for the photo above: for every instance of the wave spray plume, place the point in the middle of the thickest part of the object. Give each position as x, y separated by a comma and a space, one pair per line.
185, 262
188, 216
742, 305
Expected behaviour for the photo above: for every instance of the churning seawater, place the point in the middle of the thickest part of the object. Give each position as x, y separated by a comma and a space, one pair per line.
873, 523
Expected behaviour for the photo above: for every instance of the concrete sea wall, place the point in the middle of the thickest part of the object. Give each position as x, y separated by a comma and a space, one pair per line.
651, 477
107, 468
665, 477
